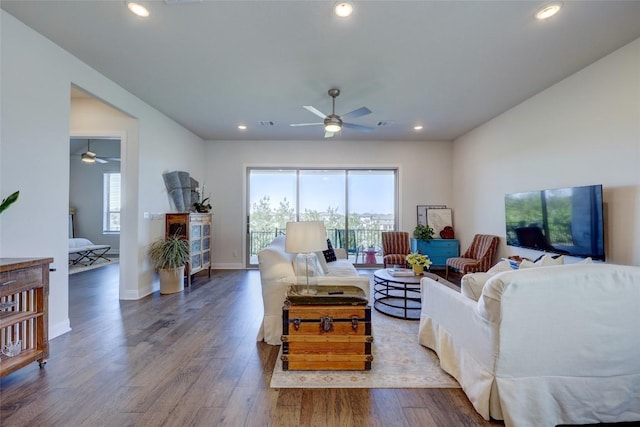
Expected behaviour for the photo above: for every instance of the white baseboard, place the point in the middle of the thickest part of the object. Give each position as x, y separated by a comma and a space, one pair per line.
60, 328
228, 266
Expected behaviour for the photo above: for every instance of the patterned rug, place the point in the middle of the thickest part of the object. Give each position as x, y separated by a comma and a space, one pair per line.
79, 268
399, 361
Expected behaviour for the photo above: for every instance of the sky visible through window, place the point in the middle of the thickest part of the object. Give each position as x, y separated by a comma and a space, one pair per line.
369, 191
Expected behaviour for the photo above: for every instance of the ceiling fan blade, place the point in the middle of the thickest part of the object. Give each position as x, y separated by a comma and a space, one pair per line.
328, 134
361, 128
362, 111
305, 124
315, 111
100, 160
112, 159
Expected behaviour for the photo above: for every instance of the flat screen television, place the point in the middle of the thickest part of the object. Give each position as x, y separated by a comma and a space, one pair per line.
565, 221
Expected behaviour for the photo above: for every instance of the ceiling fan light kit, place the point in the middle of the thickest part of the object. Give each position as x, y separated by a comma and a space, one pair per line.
334, 123
91, 157
137, 8
343, 8
88, 157
547, 11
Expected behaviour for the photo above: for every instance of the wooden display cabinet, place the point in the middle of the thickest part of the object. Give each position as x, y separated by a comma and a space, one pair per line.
196, 228
24, 303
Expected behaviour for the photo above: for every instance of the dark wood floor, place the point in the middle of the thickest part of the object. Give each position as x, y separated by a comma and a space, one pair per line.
191, 359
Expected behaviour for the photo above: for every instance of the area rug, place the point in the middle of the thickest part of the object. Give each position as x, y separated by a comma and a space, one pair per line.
399, 361
79, 268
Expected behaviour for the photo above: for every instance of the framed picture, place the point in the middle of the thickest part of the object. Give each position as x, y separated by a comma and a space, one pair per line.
439, 219
422, 212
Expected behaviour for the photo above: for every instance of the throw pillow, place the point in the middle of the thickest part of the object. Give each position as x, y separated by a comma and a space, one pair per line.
329, 254
500, 267
471, 284
526, 264
322, 262
545, 260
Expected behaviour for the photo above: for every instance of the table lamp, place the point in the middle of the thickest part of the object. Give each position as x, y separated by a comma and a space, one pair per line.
304, 238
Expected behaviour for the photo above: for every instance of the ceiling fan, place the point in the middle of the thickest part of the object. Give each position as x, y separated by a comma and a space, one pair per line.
91, 157
334, 123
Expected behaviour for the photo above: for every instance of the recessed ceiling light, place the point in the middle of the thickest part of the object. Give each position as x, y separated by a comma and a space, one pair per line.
418, 127
137, 9
547, 11
343, 8
242, 127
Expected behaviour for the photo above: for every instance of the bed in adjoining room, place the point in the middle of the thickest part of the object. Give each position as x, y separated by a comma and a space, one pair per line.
84, 252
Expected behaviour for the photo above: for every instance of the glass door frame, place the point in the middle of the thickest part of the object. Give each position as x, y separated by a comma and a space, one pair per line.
249, 257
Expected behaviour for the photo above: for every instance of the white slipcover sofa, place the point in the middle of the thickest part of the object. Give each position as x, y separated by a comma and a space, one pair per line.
542, 346
277, 274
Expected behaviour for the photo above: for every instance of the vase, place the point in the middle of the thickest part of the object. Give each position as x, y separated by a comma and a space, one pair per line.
418, 269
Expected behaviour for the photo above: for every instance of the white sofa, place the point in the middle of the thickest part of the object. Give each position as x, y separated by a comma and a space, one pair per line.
277, 274
542, 346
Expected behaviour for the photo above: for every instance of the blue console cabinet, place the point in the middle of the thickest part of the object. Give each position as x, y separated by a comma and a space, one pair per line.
437, 249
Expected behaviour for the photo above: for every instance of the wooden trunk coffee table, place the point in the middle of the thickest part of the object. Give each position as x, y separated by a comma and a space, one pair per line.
398, 295
329, 331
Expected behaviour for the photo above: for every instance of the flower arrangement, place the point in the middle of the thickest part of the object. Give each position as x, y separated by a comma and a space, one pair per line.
416, 258
204, 205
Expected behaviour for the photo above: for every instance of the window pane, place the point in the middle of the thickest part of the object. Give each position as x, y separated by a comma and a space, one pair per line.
111, 208
355, 214
371, 201
114, 221
272, 203
322, 198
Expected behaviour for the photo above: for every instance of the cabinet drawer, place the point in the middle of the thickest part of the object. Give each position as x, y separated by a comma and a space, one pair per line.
445, 244
29, 277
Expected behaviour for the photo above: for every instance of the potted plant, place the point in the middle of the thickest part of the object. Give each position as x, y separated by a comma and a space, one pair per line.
418, 262
169, 256
203, 206
9, 200
423, 232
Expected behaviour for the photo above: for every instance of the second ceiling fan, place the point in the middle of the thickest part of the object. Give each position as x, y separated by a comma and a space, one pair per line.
91, 157
334, 123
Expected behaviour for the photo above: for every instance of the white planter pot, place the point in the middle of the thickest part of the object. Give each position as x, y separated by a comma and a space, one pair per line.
171, 280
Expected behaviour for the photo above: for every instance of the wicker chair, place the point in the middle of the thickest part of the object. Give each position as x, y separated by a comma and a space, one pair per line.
479, 256
395, 248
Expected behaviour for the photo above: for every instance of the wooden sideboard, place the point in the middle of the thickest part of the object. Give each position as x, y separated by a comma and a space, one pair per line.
196, 228
24, 307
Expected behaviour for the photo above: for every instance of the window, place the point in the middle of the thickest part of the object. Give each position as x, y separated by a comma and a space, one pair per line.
356, 205
111, 205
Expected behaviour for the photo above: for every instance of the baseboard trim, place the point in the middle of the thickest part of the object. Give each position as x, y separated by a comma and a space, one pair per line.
60, 328
228, 266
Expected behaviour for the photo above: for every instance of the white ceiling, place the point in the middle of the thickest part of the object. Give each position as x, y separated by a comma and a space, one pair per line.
447, 65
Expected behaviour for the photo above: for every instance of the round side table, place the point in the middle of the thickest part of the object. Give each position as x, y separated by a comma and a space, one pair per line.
398, 296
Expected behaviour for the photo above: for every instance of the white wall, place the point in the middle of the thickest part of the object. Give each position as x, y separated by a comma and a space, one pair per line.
583, 130
424, 178
35, 113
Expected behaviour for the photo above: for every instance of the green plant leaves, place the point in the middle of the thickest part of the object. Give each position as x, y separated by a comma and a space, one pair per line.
8, 201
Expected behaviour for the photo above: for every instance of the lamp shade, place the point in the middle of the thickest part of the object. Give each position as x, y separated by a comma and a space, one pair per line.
305, 236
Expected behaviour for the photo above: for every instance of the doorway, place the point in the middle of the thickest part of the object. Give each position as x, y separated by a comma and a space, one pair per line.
95, 196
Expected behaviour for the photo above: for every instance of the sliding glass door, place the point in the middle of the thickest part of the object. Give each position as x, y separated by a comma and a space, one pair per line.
356, 205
